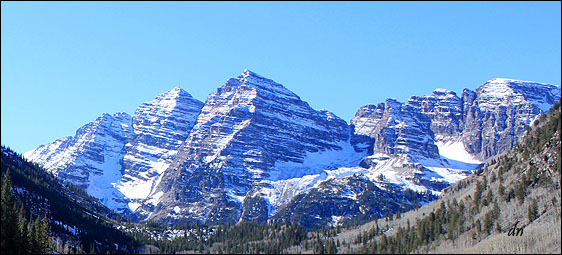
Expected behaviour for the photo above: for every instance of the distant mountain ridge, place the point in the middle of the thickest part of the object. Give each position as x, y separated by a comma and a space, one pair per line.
255, 151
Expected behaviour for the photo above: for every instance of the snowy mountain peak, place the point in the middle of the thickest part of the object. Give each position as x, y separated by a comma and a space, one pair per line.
121, 115
393, 105
503, 85
159, 128
248, 73
330, 116
104, 116
117, 156
251, 132
175, 92
177, 89
501, 92
501, 80
508, 81
168, 101
253, 80
440, 92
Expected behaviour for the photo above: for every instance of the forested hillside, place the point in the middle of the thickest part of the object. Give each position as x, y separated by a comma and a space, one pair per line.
40, 215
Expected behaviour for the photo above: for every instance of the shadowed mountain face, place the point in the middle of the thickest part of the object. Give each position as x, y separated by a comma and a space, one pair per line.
255, 151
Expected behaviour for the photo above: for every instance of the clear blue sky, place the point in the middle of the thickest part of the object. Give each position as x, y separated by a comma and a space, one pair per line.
64, 64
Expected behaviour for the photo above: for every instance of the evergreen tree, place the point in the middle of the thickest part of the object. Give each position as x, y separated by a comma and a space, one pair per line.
501, 190
478, 226
22, 231
32, 235
520, 189
9, 230
46, 239
92, 248
533, 211
488, 222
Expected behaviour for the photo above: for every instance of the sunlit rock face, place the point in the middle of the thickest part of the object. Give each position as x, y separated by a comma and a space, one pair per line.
499, 112
246, 129
159, 128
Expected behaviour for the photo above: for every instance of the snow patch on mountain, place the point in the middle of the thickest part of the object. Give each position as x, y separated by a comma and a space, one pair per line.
455, 150
159, 128
393, 170
91, 159
317, 162
102, 183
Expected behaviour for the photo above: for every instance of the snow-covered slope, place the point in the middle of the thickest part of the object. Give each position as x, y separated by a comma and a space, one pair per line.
117, 158
509, 92
92, 158
159, 128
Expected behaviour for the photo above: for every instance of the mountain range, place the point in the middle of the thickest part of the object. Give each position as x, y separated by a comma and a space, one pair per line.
254, 151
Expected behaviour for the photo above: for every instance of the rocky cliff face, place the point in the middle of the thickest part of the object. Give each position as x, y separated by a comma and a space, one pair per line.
395, 129
247, 127
159, 128
500, 110
487, 120
255, 151
435, 140
444, 110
